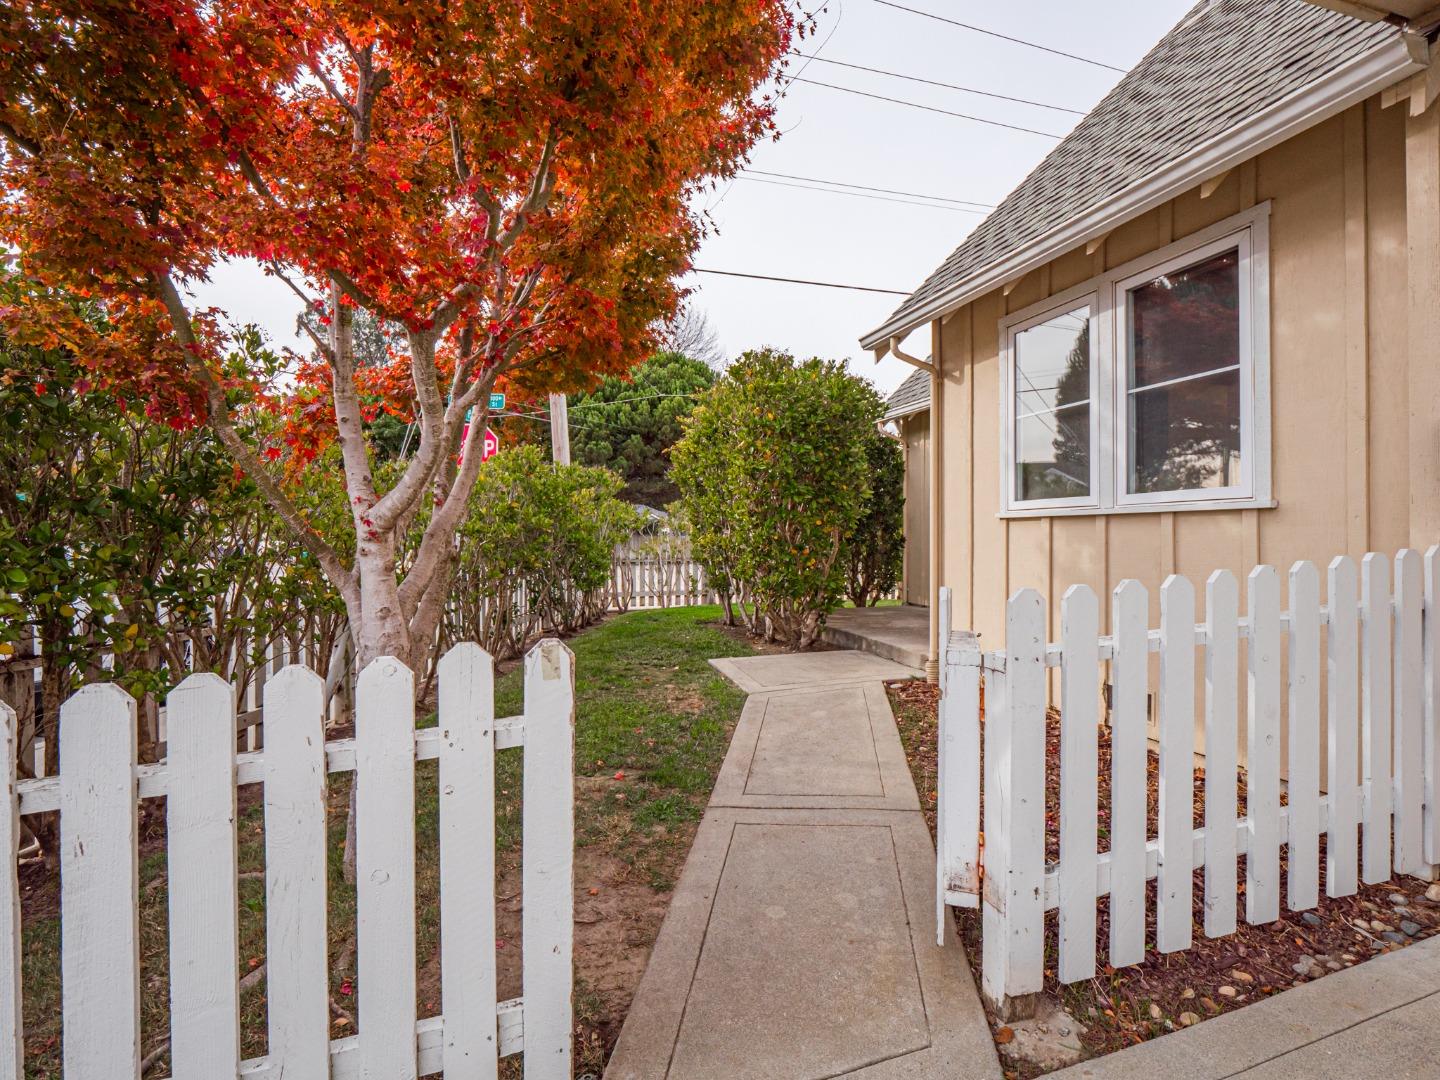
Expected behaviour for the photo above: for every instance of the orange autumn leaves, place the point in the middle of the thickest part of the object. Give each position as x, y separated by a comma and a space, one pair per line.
162, 137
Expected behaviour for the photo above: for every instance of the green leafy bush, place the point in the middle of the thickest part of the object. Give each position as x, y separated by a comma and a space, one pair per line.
774, 475
875, 549
535, 550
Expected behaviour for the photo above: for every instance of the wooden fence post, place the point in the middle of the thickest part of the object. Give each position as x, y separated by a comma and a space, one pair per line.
99, 884
1079, 780
204, 892
1129, 676
548, 829
385, 868
1222, 701
1430, 637
957, 810
1174, 891
467, 863
1012, 970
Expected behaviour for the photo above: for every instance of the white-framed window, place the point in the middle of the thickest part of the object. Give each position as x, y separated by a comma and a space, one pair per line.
1053, 394
1146, 388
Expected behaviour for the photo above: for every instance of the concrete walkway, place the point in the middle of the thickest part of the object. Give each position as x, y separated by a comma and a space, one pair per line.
799, 944
899, 632
1376, 1019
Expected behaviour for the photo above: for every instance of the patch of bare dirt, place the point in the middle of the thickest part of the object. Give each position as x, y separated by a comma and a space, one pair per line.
617, 919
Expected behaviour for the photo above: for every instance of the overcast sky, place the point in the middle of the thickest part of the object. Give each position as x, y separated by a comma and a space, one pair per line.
826, 134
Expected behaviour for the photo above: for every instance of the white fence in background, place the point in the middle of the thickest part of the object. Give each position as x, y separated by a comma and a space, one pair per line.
97, 793
657, 572
1372, 649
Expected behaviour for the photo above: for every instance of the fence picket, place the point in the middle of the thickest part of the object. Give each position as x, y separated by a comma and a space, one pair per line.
296, 977
1303, 774
1262, 792
1375, 716
1222, 702
1343, 736
99, 881
12, 1019
385, 868
1430, 638
1129, 678
1174, 893
1024, 791
1079, 782
1408, 753
467, 863
548, 823
204, 893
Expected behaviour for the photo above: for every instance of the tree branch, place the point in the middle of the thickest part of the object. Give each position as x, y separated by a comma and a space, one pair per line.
24, 142
223, 426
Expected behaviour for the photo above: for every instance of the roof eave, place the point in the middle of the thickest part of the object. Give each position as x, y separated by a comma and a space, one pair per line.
908, 410
1353, 82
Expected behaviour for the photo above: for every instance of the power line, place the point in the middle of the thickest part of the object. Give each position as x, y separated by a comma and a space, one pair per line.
862, 195
1002, 37
927, 108
863, 187
947, 86
799, 281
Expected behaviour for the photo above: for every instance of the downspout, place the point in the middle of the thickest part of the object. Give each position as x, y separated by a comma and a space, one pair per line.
932, 658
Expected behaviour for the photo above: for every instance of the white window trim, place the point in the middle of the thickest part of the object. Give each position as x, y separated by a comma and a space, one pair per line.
1109, 364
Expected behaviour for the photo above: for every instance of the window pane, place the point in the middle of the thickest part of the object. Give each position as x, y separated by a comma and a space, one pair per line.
1052, 362
1184, 378
1052, 408
1186, 322
1186, 435
1052, 454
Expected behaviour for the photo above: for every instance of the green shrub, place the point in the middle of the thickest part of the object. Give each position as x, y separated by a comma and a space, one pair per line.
875, 549
535, 551
773, 476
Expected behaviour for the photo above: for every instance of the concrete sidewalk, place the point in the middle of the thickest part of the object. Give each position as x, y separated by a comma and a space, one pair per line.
799, 944
1376, 1019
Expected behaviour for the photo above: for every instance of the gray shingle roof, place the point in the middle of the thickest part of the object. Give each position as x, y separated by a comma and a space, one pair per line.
1224, 62
911, 396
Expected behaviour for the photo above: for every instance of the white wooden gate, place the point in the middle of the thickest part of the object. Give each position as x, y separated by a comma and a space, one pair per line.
97, 793
1372, 649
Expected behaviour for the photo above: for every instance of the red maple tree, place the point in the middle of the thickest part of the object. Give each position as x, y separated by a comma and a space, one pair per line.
507, 180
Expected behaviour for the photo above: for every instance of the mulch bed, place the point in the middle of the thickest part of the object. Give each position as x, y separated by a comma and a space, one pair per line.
1122, 1007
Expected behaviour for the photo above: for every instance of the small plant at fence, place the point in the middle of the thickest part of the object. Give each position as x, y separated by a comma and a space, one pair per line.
535, 551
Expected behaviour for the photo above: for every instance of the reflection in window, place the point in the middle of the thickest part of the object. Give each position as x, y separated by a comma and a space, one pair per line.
1184, 379
1052, 408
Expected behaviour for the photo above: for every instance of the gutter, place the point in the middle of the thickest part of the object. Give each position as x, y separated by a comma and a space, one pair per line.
1353, 82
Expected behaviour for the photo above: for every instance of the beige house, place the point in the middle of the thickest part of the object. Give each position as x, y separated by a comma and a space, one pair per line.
1204, 332
909, 411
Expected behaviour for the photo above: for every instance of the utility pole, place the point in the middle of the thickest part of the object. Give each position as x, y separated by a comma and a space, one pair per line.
560, 429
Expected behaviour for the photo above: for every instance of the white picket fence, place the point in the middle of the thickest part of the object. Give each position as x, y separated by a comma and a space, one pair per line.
657, 572
97, 793
1373, 650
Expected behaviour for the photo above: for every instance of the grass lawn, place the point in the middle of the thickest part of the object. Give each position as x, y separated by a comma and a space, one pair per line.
653, 724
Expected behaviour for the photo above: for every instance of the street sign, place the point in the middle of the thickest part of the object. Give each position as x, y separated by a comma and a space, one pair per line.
497, 401
489, 445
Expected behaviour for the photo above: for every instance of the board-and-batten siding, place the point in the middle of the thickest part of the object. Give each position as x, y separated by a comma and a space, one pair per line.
1343, 395
915, 435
